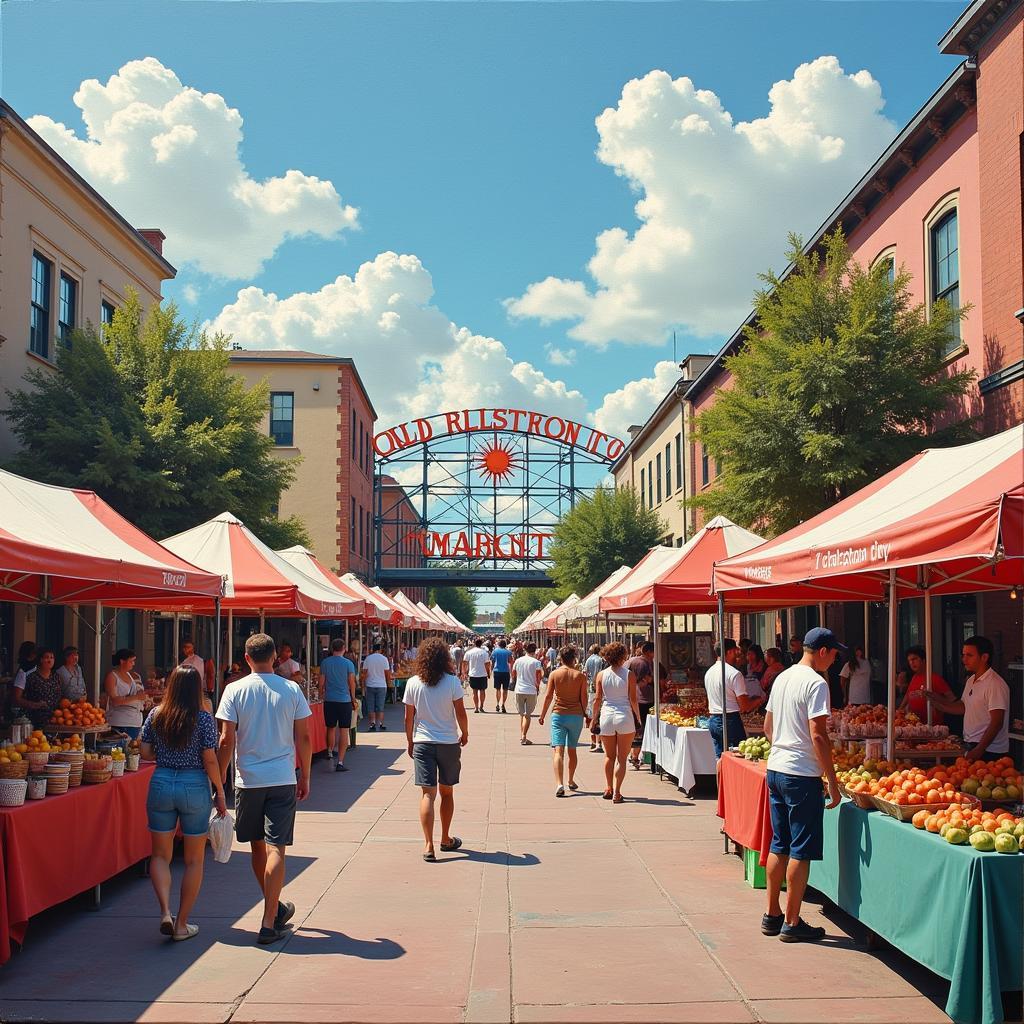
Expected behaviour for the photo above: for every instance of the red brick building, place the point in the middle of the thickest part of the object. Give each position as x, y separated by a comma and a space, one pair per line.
400, 522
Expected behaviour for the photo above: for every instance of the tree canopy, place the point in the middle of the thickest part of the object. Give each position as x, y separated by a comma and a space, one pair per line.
526, 600
843, 378
457, 600
605, 530
148, 415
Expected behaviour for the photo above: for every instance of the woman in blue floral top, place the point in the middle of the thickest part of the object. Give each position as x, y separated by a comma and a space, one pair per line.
182, 737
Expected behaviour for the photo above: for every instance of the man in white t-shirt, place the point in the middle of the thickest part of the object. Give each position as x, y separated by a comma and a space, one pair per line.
526, 676
458, 652
376, 678
189, 658
288, 667
985, 704
856, 678
550, 659
795, 724
737, 699
265, 722
477, 667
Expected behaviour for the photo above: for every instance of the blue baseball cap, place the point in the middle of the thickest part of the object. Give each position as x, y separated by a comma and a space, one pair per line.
820, 637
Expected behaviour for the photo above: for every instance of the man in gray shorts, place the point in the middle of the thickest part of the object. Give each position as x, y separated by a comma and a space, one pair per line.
265, 721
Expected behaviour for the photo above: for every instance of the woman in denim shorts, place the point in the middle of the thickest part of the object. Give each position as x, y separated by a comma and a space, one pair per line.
182, 738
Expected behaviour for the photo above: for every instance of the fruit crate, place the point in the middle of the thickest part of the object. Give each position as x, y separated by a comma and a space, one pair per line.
753, 872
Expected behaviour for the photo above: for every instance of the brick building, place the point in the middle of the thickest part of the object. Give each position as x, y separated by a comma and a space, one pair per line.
319, 410
400, 522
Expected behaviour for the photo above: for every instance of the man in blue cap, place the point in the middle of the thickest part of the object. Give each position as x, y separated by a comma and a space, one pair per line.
795, 723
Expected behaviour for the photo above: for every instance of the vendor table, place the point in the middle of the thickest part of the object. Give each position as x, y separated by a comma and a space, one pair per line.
318, 728
951, 908
55, 848
743, 802
683, 752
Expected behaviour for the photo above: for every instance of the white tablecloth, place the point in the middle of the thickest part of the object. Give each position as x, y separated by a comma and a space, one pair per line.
685, 752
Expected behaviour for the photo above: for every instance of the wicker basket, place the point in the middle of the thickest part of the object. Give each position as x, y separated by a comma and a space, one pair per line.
864, 801
904, 812
56, 786
36, 759
14, 770
75, 758
12, 792
117, 769
96, 778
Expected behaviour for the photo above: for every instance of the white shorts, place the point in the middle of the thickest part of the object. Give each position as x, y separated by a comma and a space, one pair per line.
616, 722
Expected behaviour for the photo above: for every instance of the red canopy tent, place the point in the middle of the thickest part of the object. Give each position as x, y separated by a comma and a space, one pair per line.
948, 521
304, 560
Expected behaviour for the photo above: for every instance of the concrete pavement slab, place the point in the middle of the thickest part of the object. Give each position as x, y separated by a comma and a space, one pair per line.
641, 1013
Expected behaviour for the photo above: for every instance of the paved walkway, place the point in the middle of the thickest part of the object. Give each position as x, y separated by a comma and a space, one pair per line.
556, 910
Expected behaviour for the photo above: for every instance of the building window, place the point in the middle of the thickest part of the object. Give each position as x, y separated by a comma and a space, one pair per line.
668, 469
650, 485
643, 493
362, 446
369, 535
369, 453
282, 418
679, 542
705, 467
657, 462
352, 527
353, 435
107, 310
362, 534
67, 303
945, 256
679, 461
39, 329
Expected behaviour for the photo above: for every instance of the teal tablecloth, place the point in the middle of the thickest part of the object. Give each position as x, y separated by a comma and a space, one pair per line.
953, 909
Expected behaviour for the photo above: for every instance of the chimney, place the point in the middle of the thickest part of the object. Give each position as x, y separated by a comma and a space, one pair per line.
155, 239
633, 431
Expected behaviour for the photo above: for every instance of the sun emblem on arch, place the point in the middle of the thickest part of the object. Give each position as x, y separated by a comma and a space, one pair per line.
496, 461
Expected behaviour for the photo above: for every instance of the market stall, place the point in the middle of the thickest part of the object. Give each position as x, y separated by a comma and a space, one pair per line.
110, 832
683, 751
743, 803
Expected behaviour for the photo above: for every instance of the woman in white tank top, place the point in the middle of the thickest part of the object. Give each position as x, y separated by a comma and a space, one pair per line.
616, 708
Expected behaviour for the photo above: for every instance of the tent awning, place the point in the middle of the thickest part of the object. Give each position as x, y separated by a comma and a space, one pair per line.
419, 621
304, 560
69, 546
958, 510
255, 577
399, 617
382, 611
551, 620
678, 580
588, 607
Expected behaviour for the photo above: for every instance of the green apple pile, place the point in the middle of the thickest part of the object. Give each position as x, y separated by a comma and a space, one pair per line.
756, 748
1007, 838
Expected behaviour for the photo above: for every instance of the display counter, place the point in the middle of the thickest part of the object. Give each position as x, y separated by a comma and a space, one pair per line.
105, 831
683, 752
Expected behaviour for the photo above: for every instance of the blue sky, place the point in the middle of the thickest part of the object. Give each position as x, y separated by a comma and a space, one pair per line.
464, 132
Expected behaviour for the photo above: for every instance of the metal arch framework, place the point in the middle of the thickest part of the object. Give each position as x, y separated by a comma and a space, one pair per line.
481, 519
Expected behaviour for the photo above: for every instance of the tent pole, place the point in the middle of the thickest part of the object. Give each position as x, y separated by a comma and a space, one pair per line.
263, 621
867, 628
725, 725
176, 646
309, 654
890, 722
231, 641
927, 638
216, 655
98, 652
657, 696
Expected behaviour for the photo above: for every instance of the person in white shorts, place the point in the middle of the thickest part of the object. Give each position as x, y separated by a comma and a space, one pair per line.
617, 709
526, 673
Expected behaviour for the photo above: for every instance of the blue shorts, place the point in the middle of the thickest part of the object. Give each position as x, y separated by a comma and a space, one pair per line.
797, 805
375, 696
565, 730
179, 794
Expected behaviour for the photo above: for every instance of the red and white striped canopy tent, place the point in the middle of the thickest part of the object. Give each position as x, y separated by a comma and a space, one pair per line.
257, 579
535, 620
436, 621
551, 623
68, 546
588, 607
304, 559
419, 620
382, 610
399, 617
957, 511
677, 580
448, 617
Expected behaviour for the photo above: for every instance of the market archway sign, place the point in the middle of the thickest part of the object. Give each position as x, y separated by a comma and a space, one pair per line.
470, 496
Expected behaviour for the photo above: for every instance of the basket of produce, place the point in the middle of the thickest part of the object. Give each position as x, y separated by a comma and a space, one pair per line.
37, 758
902, 794
117, 765
906, 811
58, 777
10, 769
12, 792
93, 776
75, 758
861, 797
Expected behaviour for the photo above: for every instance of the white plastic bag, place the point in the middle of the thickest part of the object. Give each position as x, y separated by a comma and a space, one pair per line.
221, 835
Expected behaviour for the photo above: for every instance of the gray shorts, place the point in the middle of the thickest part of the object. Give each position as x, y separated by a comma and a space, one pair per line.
437, 762
526, 703
265, 815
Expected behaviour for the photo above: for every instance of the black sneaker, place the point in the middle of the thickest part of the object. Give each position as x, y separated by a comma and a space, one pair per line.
382, 727
373, 728
285, 912
801, 932
271, 935
340, 767
771, 924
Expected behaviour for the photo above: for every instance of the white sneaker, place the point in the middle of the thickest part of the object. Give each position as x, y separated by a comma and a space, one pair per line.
330, 755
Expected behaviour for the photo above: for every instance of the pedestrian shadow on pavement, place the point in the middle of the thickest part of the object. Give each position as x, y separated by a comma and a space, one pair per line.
339, 791
510, 860
306, 940
657, 803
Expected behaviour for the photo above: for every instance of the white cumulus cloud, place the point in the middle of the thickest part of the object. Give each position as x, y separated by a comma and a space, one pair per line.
412, 358
560, 356
717, 199
633, 403
168, 156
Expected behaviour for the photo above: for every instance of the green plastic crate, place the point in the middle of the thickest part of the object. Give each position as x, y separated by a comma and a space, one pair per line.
753, 872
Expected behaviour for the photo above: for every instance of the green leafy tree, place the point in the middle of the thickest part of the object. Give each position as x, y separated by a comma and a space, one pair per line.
605, 530
149, 415
843, 378
457, 600
526, 600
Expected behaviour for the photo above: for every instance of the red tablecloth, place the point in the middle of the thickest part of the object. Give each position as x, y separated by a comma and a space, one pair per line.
743, 802
318, 728
54, 849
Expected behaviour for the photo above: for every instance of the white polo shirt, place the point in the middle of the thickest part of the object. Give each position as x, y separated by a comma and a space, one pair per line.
983, 694
734, 684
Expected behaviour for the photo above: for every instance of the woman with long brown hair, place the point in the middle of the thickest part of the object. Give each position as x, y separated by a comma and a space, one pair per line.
436, 730
182, 737
616, 708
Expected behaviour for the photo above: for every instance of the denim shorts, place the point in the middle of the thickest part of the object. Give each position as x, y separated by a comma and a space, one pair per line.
565, 730
797, 804
179, 794
375, 696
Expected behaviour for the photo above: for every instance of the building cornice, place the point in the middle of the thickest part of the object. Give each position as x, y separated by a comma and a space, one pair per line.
671, 399
975, 25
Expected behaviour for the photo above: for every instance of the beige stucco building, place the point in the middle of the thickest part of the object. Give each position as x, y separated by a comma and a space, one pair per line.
67, 257
320, 414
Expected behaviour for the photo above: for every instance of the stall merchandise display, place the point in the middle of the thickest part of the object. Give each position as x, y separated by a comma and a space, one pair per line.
863, 721
755, 748
78, 714
986, 831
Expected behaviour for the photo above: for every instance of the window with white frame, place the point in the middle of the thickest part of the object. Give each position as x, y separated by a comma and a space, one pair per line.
945, 268
39, 323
